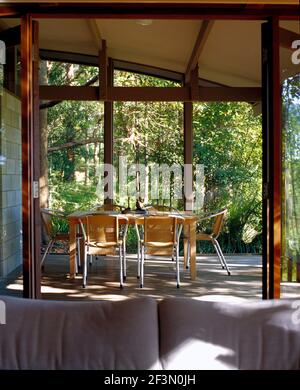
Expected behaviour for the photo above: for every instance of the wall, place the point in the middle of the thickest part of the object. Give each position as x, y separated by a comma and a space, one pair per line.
10, 184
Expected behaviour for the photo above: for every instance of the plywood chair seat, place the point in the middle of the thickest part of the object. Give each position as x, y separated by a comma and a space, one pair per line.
107, 244
160, 244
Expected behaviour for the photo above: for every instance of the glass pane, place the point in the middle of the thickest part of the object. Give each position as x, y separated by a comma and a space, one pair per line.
290, 82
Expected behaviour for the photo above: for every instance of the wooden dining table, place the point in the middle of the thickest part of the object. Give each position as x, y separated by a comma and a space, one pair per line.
189, 234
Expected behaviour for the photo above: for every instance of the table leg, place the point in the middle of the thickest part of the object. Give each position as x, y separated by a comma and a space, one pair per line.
72, 248
193, 250
186, 234
81, 243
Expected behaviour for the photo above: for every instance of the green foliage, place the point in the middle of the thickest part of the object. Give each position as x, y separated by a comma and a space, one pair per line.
228, 142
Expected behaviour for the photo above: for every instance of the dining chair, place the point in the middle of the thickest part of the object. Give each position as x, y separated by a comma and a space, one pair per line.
217, 223
48, 217
103, 234
160, 237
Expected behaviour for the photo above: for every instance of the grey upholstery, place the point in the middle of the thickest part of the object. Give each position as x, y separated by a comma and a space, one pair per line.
176, 333
79, 335
209, 335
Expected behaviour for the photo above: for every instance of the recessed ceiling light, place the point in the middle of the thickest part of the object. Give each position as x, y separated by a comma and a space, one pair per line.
144, 22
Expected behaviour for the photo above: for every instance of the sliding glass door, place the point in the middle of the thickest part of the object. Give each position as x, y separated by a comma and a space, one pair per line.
290, 94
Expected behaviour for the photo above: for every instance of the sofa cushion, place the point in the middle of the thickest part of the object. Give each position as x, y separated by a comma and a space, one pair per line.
210, 335
79, 335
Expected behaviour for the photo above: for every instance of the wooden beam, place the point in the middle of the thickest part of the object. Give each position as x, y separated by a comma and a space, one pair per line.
203, 34
51, 92
189, 11
168, 94
9, 11
73, 58
95, 31
103, 63
148, 70
228, 94
286, 37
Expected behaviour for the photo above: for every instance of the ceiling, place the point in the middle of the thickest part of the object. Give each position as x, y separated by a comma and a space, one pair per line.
231, 54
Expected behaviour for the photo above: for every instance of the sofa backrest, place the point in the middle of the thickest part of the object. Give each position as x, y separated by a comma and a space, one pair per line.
79, 335
199, 335
176, 333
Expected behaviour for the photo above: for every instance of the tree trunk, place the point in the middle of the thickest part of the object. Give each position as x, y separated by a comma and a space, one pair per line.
44, 188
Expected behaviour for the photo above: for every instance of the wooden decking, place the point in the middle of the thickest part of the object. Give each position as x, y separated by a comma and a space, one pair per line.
212, 282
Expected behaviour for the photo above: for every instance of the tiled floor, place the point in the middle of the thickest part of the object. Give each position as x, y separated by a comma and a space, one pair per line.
212, 282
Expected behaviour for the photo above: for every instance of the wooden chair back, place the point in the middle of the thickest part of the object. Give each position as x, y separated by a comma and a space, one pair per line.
217, 227
47, 222
160, 234
102, 229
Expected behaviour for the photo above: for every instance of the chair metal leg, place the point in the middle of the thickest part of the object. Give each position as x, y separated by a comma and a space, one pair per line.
124, 261
221, 256
48, 248
218, 254
188, 255
76, 264
78, 253
90, 259
177, 266
139, 255
142, 266
85, 268
121, 266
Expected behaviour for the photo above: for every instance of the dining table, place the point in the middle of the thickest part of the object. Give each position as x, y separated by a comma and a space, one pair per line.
135, 217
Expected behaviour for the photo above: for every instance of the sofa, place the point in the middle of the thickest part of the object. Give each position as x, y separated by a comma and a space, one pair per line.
141, 333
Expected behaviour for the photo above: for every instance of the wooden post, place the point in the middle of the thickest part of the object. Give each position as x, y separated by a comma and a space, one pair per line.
188, 156
36, 161
108, 137
29, 280
103, 72
271, 110
275, 274
30, 164
194, 84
